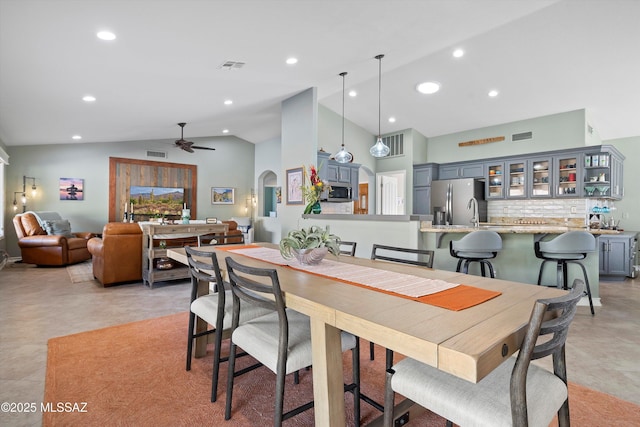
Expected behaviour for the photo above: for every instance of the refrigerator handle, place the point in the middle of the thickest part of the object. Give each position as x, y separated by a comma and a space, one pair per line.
449, 204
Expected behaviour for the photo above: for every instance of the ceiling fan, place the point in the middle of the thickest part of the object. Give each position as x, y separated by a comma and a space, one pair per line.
188, 145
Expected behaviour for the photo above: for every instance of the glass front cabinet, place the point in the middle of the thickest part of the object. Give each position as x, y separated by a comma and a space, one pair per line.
540, 177
567, 176
495, 181
516, 179
597, 175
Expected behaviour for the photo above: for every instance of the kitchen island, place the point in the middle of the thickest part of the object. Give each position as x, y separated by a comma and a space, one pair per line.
517, 260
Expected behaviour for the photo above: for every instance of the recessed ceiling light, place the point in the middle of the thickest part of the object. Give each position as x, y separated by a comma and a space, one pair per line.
392, 119
493, 93
428, 87
292, 60
88, 98
76, 137
106, 35
228, 102
353, 93
458, 53
225, 130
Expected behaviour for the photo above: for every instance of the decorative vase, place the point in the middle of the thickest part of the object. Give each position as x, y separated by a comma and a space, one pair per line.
316, 208
310, 256
164, 264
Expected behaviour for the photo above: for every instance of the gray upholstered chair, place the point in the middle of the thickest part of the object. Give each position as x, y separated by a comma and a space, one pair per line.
281, 341
215, 308
567, 248
478, 246
516, 393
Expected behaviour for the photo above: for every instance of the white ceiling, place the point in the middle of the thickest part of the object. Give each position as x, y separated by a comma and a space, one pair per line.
544, 57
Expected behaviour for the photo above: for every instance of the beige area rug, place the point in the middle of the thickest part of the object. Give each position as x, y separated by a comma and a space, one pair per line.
134, 374
81, 272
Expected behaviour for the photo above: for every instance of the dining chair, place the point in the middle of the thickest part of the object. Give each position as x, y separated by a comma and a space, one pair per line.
478, 246
348, 248
281, 340
567, 248
516, 393
215, 308
392, 253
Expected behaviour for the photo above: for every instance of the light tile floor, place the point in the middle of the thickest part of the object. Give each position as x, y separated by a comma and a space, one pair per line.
40, 303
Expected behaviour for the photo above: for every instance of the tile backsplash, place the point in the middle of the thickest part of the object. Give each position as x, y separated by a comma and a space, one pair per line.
574, 209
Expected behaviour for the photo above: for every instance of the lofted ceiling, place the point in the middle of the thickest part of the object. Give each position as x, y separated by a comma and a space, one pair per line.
164, 67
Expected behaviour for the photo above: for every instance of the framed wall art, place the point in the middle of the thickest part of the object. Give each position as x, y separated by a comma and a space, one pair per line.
294, 186
222, 196
71, 189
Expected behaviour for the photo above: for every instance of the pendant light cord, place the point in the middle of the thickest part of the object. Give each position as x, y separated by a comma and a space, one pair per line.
379, 58
343, 74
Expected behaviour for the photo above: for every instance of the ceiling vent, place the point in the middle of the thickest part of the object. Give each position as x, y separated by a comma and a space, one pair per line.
157, 154
522, 136
395, 144
231, 65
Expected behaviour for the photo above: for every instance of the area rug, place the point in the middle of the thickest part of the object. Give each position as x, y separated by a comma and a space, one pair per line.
134, 374
81, 272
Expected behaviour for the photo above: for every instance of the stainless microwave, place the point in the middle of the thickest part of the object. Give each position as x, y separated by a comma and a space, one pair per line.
339, 194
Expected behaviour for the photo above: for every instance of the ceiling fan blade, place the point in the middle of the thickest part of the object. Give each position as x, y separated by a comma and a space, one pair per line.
202, 148
187, 148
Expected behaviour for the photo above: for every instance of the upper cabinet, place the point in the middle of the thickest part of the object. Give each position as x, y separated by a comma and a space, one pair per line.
461, 170
586, 172
423, 174
603, 174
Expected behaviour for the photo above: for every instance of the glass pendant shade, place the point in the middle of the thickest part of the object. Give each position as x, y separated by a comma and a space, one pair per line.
379, 149
343, 156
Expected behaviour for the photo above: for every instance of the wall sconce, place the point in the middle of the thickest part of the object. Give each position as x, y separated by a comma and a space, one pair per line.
250, 203
23, 198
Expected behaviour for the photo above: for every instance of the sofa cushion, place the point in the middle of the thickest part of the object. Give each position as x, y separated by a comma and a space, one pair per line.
58, 227
31, 226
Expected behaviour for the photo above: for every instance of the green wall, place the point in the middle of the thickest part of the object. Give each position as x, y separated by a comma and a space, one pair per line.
49, 163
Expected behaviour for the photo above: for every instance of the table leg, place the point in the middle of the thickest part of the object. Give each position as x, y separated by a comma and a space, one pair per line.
201, 325
328, 387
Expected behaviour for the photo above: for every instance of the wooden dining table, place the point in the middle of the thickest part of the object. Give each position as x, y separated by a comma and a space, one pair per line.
469, 343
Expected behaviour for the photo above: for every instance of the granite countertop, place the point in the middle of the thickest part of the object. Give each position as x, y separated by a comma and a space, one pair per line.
520, 229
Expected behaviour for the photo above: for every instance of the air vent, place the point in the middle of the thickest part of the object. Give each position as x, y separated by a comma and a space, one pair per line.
522, 136
395, 144
231, 65
157, 154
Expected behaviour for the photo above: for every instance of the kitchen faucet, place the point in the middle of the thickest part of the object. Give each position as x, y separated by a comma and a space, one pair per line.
473, 204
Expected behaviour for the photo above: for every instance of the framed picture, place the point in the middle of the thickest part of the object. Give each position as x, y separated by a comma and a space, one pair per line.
222, 196
294, 186
71, 189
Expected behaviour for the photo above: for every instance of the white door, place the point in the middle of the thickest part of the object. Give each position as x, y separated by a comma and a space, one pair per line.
390, 188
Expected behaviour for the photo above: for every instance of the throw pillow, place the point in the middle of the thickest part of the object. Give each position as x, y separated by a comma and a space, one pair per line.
58, 227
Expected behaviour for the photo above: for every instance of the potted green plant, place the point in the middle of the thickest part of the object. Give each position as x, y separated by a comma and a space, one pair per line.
309, 245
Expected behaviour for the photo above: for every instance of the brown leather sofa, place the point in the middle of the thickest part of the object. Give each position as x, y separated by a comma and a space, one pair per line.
117, 256
38, 247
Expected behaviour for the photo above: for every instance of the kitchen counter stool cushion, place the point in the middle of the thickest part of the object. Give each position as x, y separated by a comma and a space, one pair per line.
477, 246
567, 248
516, 393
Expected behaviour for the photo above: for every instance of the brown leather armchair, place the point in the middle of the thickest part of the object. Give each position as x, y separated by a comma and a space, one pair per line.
117, 256
38, 247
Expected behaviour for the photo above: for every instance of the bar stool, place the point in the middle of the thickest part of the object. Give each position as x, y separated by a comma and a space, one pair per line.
477, 246
569, 247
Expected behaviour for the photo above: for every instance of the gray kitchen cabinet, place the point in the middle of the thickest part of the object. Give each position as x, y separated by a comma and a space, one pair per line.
494, 181
345, 174
461, 170
617, 254
567, 174
539, 179
603, 174
423, 174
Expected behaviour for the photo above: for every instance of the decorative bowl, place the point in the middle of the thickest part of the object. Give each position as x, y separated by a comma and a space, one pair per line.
310, 256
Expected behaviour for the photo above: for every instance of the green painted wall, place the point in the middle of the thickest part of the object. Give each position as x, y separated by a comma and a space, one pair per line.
553, 132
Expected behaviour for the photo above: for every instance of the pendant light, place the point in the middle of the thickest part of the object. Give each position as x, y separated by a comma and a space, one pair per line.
343, 156
379, 149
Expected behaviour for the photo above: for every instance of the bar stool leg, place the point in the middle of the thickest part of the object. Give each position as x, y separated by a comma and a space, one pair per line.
586, 282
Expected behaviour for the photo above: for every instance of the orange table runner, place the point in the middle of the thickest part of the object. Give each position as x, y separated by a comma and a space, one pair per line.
452, 296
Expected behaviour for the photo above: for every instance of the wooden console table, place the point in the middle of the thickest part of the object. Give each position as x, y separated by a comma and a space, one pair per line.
152, 231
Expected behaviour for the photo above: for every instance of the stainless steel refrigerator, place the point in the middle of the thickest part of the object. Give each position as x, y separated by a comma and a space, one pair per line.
450, 200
